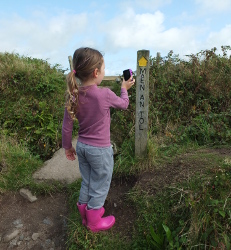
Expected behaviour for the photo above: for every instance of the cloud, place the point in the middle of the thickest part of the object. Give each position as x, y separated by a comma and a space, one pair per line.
132, 29
40, 35
223, 37
147, 31
214, 5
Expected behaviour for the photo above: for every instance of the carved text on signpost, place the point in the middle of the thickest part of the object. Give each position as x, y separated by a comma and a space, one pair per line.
142, 99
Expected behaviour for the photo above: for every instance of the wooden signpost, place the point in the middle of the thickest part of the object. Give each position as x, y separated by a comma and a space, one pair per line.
142, 103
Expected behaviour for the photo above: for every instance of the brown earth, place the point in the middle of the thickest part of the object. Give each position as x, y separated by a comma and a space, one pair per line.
48, 215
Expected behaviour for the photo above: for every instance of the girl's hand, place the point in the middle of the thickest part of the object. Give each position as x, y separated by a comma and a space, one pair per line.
128, 84
70, 154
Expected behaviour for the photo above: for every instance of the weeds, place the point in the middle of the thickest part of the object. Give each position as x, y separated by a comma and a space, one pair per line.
32, 102
194, 95
17, 166
192, 215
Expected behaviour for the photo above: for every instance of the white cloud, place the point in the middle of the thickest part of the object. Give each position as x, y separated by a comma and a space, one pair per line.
214, 5
147, 31
134, 30
39, 35
218, 39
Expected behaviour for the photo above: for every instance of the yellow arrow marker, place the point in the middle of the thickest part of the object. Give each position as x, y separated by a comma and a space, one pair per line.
143, 62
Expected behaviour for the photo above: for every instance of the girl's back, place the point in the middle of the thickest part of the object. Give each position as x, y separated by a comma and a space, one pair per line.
94, 116
94, 113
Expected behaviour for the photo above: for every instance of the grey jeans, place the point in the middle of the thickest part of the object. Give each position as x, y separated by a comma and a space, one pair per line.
96, 167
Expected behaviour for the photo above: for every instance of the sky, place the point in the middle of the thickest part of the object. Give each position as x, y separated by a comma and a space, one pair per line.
53, 29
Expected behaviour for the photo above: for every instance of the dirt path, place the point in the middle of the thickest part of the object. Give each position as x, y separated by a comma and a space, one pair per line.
43, 223
37, 225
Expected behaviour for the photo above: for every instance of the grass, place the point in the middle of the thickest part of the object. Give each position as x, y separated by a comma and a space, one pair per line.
17, 166
196, 211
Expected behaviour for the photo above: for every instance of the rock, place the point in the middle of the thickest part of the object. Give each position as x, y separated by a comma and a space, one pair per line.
47, 221
59, 168
48, 244
27, 194
114, 147
10, 236
13, 242
35, 236
17, 222
19, 243
21, 238
19, 226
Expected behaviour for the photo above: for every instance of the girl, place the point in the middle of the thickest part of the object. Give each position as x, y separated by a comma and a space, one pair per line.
91, 106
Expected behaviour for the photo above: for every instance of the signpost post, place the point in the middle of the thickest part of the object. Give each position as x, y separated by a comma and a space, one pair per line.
142, 103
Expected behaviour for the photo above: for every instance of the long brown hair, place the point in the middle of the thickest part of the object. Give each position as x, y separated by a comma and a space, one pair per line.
85, 61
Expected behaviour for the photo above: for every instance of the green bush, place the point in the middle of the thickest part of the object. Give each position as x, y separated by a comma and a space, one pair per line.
32, 102
16, 165
194, 93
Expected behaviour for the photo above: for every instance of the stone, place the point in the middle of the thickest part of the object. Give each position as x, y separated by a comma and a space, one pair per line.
17, 222
35, 236
21, 237
10, 236
13, 242
19, 243
19, 226
47, 221
114, 147
59, 168
27, 194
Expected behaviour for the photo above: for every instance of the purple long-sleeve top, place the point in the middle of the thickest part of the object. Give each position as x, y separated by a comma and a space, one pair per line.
93, 116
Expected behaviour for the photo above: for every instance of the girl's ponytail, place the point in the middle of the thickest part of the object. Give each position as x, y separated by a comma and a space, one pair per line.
85, 60
72, 94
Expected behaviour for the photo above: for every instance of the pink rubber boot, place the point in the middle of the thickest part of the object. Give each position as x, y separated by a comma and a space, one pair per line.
96, 223
82, 212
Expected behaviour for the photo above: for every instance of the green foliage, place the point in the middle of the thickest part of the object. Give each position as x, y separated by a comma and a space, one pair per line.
194, 95
166, 218
17, 166
207, 202
163, 239
188, 215
206, 129
123, 121
32, 102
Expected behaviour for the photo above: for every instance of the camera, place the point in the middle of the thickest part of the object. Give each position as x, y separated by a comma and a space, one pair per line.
127, 73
